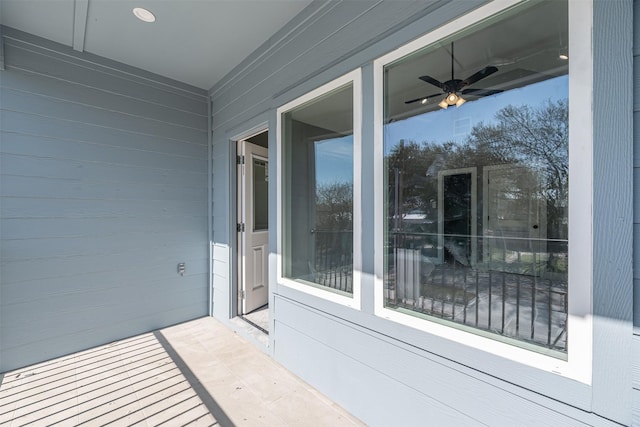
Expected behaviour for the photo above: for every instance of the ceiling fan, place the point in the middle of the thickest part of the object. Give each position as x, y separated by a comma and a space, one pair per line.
455, 88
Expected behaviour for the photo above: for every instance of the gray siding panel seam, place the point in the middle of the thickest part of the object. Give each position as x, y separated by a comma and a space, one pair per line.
45, 107
71, 340
22, 125
189, 105
28, 61
136, 160
636, 408
14, 291
146, 170
64, 86
635, 376
188, 138
19, 143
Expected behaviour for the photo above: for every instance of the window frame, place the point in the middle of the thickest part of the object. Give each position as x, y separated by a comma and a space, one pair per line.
354, 301
578, 363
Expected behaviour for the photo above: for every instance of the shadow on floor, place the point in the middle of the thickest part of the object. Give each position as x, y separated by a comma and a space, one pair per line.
141, 379
198, 373
208, 401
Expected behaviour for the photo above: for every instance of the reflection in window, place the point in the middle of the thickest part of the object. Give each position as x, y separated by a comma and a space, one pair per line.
476, 180
260, 195
318, 192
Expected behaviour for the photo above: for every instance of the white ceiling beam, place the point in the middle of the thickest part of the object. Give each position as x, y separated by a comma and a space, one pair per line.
81, 10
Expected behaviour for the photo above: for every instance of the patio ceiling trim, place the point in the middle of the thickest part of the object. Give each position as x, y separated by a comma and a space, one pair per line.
81, 11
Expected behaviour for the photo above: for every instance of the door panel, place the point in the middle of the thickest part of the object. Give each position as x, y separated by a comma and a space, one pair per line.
515, 215
254, 239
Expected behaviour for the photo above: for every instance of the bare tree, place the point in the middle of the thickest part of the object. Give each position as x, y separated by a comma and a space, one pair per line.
334, 206
534, 137
537, 138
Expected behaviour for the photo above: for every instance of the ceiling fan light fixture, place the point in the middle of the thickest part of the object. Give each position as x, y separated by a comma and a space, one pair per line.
453, 87
144, 14
563, 53
452, 99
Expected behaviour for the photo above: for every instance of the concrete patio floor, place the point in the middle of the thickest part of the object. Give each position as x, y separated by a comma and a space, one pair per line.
196, 373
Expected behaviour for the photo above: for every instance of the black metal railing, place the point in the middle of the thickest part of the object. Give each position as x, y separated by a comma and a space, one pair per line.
333, 259
514, 287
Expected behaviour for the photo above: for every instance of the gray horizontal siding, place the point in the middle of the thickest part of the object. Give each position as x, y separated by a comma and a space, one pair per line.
412, 387
23, 83
72, 112
414, 409
98, 73
40, 126
103, 186
328, 40
613, 212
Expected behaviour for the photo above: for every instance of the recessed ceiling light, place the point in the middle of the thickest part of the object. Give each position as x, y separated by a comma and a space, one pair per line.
144, 15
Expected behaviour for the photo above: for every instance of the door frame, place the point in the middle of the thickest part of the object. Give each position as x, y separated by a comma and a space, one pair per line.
473, 172
234, 284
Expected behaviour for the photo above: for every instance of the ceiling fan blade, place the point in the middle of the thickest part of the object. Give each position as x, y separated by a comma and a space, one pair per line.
432, 81
485, 72
481, 92
411, 101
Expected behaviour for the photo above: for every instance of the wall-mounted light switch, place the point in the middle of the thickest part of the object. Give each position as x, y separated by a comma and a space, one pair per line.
181, 268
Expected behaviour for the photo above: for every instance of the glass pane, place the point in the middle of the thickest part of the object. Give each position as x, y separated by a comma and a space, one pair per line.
318, 192
476, 179
260, 195
457, 217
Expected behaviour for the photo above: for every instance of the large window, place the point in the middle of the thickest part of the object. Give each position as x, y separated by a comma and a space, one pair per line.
318, 209
476, 179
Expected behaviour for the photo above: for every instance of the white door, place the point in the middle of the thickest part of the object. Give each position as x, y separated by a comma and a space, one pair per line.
253, 237
515, 229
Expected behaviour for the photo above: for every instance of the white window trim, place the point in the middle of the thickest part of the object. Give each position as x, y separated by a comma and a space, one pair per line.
578, 365
354, 301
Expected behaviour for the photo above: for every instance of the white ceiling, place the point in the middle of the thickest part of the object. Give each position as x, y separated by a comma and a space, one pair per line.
194, 41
